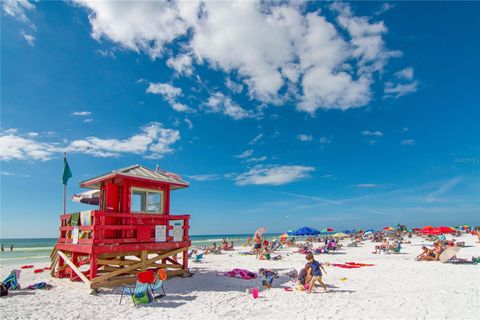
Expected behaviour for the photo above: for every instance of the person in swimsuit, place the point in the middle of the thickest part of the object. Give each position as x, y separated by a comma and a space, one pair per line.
257, 247
316, 273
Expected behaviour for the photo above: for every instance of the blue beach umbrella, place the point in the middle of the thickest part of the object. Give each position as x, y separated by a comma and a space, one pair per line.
305, 231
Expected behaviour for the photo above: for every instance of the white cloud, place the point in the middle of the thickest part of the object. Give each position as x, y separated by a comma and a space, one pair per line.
367, 185
154, 142
220, 103
182, 64
205, 177
106, 53
384, 8
372, 133
259, 159
29, 38
189, 123
6, 173
17, 9
245, 154
444, 187
408, 142
145, 26
325, 140
15, 147
82, 113
32, 134
256, 139
304, 137
273, 175
397, 90
405, 129
88, 120
170, 94
405, 74
234, 86
268, 46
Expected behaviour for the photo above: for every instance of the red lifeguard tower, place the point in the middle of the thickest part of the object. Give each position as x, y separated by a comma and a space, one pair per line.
133, 230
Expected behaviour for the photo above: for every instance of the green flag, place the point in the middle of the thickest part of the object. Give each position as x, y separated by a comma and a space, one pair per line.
67, 174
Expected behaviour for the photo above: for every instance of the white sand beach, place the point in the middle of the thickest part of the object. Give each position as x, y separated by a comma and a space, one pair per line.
396, 287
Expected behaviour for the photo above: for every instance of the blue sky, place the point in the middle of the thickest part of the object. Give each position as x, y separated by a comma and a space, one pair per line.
361, 114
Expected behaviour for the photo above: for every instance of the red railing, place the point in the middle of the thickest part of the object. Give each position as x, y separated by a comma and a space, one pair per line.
118, 228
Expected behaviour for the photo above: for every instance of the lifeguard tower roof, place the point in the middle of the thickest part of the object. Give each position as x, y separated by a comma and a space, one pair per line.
138, 172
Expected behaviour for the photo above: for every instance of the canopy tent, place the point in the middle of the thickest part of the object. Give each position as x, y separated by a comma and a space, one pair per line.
305, 231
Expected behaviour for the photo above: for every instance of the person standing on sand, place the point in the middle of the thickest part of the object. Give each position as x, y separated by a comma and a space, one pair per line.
257, 247
11, 247
3, 248
316, 273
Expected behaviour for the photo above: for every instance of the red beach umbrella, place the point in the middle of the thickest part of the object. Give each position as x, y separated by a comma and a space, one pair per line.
441, 230
426, 229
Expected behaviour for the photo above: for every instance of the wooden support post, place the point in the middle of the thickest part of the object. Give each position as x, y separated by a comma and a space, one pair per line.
74, 268
93, 266
74, 259
143, 258
185, 260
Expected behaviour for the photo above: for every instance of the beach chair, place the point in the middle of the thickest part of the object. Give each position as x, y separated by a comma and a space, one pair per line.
198, 257
12, 281
140, 292
158, 285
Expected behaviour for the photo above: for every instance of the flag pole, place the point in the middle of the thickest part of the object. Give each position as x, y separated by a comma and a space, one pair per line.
64, 189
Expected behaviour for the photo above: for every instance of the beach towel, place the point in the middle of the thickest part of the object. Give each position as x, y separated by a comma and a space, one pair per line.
12, 281
345, 266
74, 219
359, 264
40, 285
86, 218
241, 274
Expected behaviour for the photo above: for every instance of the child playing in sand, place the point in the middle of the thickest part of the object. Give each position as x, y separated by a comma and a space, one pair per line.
316, 273
269, 276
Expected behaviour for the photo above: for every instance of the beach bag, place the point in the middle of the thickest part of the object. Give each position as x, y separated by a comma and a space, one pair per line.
142, 298
3, 290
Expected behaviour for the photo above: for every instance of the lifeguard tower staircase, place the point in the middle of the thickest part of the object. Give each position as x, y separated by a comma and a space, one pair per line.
132, 231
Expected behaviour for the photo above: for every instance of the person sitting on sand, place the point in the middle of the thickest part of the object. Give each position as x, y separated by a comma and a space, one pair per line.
437, 250
230, 246
384, 246
269, 276
303, 278
315, 268
249, 241
265, 255
426, 255
224, 244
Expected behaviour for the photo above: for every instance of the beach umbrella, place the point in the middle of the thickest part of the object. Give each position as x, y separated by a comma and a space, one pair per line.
305, 231
448, 253
340, 235
89, 197
442, 230
389, 229
416, 229
426, 229
260, 231
370, 230
347, 231
326, 231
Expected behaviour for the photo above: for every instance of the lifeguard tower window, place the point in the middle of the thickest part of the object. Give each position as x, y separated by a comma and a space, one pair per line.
146, 201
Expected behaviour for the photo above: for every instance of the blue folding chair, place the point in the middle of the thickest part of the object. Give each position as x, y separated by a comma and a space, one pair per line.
141, 289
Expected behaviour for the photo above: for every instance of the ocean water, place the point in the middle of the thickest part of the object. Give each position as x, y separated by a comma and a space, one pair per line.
38, 250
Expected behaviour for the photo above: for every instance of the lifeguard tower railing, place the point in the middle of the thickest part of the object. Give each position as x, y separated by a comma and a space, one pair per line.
112, 228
